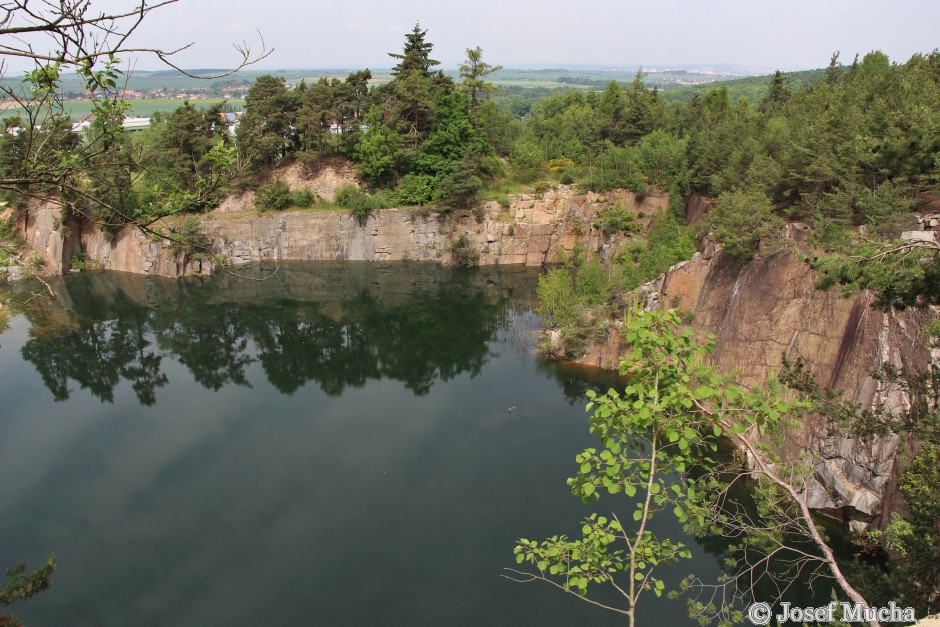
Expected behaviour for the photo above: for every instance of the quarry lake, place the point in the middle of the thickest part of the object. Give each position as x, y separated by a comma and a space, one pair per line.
340, 444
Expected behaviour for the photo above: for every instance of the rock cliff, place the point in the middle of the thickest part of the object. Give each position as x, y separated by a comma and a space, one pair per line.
531, 231
769, 308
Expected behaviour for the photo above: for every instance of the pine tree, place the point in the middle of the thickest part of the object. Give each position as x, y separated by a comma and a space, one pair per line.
473, 72
777, 94
416, 55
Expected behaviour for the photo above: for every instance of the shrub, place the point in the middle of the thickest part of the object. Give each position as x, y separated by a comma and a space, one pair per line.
273, 196
618, 219
416, 189
190, 238
741, 219
7, 228
357, 201
79, 261
557, 300
541, 187
464, 254
591, 283
525, 159
302, 198
461, 188
346, 195
668, 242
617, 168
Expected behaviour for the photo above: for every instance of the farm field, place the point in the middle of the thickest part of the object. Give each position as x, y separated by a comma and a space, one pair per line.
143, 108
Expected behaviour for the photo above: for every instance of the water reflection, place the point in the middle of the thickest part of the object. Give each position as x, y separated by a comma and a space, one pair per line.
339, 325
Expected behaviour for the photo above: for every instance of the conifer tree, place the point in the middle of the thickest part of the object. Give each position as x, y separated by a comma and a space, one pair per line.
416, 54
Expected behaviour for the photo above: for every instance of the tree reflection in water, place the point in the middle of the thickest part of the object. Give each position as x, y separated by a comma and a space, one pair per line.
336, 324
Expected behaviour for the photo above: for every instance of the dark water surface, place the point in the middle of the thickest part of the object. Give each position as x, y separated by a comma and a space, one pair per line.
343, 444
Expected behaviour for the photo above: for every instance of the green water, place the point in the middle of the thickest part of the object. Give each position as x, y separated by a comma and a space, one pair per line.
341, 444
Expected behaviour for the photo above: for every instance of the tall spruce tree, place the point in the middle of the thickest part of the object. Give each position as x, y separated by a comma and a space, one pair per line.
416, 55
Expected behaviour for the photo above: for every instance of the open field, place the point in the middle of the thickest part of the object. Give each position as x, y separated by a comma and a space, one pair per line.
143, 108
167, 81
675, 84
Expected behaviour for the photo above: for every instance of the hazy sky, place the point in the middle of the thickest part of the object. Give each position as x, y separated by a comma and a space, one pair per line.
786, 34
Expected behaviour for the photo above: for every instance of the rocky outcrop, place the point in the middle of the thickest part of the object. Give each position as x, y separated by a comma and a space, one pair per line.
769, 308
533, 230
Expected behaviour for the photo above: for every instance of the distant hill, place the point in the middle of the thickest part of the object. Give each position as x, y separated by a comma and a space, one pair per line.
194, 72
752, 88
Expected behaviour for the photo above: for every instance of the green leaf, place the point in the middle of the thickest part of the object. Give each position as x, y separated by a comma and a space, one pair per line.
588, 489
638, 514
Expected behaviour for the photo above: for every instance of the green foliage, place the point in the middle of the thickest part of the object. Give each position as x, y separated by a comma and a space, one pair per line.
461, 188
904, 274
618, 167
668, 242
473, 71
526, 159
79, 261
302, 198
273, 196
452, 136
360, 203
651, 434
932, 330
661, 157
592, 283
266, 131
910, 578
182, 142
378, 150
557, 301
618, 219
7, 228
463, 253
21, 585
416, 189
190, 238
276, 195
745, 223
416, 54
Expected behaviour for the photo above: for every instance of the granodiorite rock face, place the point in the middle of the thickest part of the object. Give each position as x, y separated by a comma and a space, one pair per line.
533, 231
769, 308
